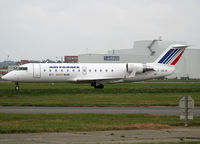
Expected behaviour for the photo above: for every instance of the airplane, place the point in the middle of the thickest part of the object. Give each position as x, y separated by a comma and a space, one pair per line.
98, 74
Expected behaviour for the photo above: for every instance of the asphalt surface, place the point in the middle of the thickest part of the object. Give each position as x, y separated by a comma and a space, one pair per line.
155, 110
123, 136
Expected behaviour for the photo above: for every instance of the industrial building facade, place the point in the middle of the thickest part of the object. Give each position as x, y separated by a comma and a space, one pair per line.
148, 51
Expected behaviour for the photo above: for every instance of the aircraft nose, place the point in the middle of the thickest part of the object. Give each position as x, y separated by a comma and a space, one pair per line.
9, 76
4, 77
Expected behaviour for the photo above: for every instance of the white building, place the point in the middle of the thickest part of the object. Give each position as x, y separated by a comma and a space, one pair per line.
148, 51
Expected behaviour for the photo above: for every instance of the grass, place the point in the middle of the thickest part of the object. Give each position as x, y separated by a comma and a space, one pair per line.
18, 123
186, 142
65, 94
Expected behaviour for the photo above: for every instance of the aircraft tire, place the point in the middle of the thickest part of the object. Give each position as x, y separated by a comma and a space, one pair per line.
100, 86
16, 86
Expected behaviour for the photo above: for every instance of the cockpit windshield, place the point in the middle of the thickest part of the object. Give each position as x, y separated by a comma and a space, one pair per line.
21, 68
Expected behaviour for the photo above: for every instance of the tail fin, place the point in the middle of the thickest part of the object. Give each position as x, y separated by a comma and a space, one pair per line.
171, 55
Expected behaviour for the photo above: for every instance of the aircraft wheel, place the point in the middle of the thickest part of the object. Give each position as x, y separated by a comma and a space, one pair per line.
100, 86
16, 86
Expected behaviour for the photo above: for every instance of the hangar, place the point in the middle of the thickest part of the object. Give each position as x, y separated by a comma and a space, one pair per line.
147, 51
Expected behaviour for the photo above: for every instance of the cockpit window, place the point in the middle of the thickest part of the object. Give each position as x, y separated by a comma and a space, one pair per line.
21, 68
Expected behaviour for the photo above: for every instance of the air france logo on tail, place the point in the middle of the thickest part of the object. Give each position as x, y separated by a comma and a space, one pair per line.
172, 55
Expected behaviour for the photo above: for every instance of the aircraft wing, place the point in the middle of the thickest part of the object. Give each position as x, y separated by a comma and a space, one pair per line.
87, 80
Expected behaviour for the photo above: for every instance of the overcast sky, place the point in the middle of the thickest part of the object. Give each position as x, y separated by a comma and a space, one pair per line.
41, 29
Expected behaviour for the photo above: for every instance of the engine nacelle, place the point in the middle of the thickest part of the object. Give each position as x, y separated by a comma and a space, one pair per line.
137, 67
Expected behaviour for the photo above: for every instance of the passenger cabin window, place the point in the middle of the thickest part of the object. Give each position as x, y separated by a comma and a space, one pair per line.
61, 70
21, 68
112, 70
100, 70
89, 70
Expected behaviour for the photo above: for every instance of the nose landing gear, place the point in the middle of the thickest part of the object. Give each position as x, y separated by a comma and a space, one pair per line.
16, 86
95, 85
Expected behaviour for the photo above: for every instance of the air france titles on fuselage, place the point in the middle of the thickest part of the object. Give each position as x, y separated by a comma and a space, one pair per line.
63, 67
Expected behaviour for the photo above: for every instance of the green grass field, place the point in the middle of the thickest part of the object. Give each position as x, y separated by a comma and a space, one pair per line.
16, 123
186, 142
65, 94
61, 94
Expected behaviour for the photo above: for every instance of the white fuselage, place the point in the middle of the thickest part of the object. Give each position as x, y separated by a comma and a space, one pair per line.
88, 72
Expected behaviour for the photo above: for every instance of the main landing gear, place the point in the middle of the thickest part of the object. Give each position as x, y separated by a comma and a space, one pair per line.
95, 85
16, 86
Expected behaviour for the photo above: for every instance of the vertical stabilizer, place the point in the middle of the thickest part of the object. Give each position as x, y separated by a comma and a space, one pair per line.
171, 55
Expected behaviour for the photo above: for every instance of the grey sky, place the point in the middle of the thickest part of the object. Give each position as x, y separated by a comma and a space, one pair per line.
41, 29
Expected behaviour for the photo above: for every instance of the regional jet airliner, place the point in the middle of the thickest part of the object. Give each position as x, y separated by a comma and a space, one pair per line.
98, 74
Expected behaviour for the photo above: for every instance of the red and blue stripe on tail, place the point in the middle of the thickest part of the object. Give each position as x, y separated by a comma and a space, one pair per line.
171, 55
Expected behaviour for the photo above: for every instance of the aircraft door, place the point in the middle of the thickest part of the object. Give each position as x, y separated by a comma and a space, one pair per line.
84, 70
36, 70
